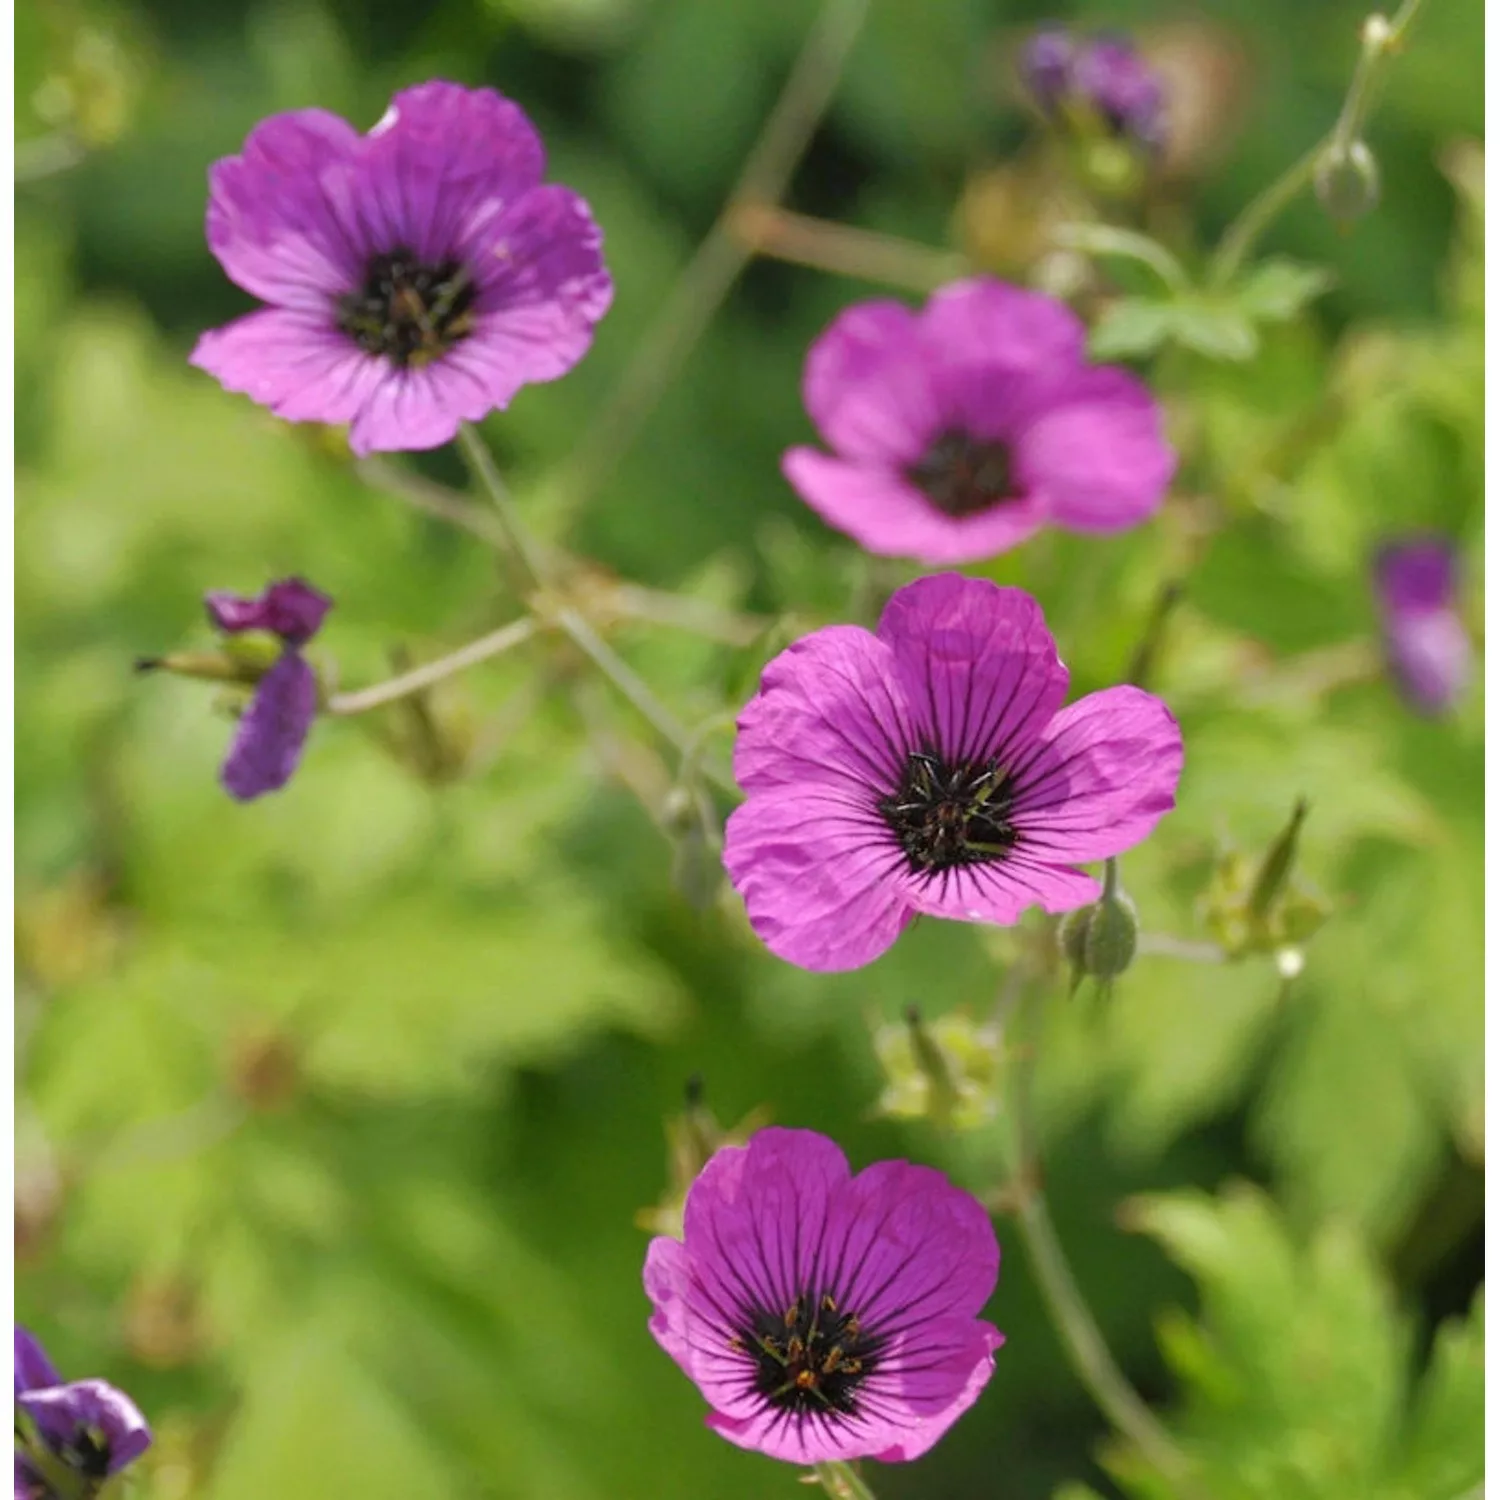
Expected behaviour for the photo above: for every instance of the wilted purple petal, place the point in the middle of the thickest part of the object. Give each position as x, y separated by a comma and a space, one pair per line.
289, 608
89, 1423
932, 768
416, 276
825, 1316
272, 731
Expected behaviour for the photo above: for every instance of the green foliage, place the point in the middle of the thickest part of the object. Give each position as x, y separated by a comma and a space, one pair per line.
336, 1111
1294, 1381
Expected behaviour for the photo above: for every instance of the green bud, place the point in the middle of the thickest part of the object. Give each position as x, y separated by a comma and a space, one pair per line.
1277, 865
1347, 182
1098, 941
942, 1071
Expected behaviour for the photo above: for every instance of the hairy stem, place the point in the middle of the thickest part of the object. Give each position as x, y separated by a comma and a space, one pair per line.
432, 672
1076, 1326
1378, 44
862, 254
721, 256
839, 1480
518, 541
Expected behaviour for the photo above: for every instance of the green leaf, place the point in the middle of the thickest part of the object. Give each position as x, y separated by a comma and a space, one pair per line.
1293, 1377
1442, 1455
1131, 328
1276, 290
1134, 327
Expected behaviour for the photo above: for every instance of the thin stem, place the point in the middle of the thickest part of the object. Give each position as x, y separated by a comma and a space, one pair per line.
432, 672
839, 1480
635, 691
721, 256
629, 601
1103, 240
1377, 44
1164, 945
844, 250
433, 499
1082, 1340
482, 465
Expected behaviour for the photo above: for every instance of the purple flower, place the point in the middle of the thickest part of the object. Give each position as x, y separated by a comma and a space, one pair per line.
960, 430
931, 768
87, 1426
1102, 76
417, 276
272, 731
825, 1316
1427, 648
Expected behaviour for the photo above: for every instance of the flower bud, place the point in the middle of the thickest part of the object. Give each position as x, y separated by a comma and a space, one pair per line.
1347, 182
1264, 906
943, 1071
1099, 941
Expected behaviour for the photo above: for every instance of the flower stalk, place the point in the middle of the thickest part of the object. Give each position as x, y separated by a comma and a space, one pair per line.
1082, 1339
1380, 40
839, 1480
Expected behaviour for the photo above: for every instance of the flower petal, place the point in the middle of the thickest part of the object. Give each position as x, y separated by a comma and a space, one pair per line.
1097, 456
543, 287
891, 517
814, 869
440, 152
866, 384
909, 1247
1101, 778
291, 608
977, 663
271, 221
59, 1411
268, 743
412, 409
827, 714
298, 365
32, 1367
928, 1380
1000, 892
985, 324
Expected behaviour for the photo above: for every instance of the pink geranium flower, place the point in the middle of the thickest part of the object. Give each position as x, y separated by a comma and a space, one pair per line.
959, 431
931, 768
416, 277
825, 1316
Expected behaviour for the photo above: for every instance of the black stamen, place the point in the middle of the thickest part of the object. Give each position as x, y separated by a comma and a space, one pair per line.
949, 814
962, 476
809, 1357
407, 311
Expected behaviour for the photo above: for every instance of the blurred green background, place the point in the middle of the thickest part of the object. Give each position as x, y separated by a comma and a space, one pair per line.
335, 1110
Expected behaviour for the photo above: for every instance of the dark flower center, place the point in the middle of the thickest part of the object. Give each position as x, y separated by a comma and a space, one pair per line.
809, 1357
87, 1452
949, 814
963, 476
410, 312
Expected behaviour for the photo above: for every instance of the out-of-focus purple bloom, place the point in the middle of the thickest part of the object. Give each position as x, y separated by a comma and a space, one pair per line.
1102, 75
960, 430
1427, 648
416, 277
272, 731
825, 1316
88, 1426
931, 768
